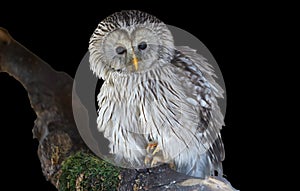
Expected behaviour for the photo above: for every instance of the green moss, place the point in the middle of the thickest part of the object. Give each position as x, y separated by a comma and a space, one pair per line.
83, 171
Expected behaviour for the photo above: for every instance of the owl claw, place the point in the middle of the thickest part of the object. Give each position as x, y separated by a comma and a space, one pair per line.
156, 150
147, 160
172, 165
152, 161
156, 160
152, 149
151, 146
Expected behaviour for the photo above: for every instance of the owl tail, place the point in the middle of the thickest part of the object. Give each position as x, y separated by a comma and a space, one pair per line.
206, 164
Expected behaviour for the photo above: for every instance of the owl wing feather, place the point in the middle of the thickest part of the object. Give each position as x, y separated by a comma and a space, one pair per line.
201, 75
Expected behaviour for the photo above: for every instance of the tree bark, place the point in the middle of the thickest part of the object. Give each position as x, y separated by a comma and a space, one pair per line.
50, 95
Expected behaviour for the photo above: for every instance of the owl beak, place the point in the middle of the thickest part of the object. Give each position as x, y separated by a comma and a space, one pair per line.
135, 62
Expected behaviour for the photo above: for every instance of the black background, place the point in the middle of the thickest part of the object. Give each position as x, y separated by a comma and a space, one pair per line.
60, 34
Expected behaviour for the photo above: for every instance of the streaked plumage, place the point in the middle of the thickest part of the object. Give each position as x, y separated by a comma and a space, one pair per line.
171, 98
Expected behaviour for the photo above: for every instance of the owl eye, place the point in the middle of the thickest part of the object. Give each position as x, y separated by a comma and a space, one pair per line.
120, 50
142, 46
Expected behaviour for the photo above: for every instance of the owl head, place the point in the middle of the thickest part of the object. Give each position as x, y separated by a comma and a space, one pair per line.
129, 42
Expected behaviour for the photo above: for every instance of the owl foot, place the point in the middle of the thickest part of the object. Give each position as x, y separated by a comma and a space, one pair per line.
152, 158
152, 161
172, 165
156, 160
147, 160
152, 148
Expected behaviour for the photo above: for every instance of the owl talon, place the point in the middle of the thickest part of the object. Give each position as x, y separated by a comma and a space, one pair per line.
156, 150
156, 160
172, 165
152, 158
152, 149
147, 160
151, 146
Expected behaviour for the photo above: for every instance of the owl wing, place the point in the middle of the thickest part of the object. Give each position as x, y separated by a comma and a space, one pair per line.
206, 69
200, 76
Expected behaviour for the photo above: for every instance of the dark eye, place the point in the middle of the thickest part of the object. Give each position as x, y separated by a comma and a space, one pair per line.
120, 50
142, 46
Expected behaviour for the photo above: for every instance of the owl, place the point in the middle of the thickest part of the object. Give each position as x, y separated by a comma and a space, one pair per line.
158, 103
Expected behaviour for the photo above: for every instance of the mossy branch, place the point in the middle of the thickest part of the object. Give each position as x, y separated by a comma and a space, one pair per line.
66, 161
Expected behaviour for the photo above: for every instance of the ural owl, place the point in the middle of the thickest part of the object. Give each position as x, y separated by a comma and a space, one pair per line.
158, 103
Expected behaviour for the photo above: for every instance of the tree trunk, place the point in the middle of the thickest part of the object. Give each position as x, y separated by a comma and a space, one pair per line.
65, 159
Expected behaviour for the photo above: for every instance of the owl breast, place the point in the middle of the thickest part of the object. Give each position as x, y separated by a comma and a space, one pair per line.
154, 107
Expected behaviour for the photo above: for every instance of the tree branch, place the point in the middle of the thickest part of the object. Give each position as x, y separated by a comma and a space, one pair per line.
50, 95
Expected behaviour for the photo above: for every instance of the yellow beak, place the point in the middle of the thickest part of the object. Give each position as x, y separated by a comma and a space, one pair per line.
135, 62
